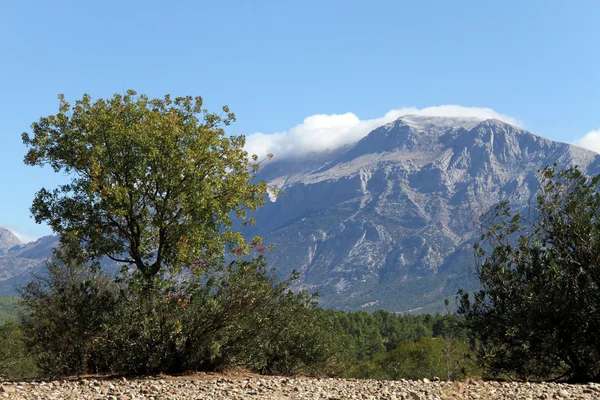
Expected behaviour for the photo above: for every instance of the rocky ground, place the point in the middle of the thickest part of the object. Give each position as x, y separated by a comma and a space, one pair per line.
240, 387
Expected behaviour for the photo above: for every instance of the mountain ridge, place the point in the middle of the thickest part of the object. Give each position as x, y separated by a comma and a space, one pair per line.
19, 261
8, 240
389, 221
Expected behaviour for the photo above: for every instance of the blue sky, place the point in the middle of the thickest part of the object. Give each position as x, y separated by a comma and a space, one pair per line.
276, 63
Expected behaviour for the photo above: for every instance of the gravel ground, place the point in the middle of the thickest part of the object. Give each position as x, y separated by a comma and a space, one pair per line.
239, 387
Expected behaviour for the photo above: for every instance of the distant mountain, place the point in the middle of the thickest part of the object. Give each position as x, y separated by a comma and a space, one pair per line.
389, 222
7, 240
18, 261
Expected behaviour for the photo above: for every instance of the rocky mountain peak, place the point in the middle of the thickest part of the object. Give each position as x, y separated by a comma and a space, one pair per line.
389, 222
436, 124
430, 135
8, 240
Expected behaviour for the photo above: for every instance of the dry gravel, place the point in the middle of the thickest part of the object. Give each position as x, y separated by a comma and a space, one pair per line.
240, 387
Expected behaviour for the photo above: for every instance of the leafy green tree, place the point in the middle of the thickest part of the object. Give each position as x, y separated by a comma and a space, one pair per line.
153, 182
385, 345
537, 314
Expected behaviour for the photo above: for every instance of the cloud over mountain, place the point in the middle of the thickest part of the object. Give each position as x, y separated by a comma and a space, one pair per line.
390, 222
590, 141
327, 132
24, 238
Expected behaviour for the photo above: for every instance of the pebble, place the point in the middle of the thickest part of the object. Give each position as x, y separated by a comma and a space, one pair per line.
213, 386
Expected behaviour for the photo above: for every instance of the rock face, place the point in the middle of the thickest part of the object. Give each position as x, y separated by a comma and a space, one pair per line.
18, 261
7, 240
389, 222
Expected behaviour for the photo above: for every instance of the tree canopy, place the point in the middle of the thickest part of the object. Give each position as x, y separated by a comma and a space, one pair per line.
537, 314
153, 182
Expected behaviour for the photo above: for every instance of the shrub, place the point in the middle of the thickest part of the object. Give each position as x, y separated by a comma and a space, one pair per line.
83, 321
537, 314
66, 316
14, 361
442, 357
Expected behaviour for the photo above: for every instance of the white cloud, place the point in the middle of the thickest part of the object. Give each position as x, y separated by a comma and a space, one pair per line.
590, 141
323, 132
23, 237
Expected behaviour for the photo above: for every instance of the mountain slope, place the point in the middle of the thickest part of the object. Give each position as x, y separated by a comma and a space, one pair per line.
389, 222
7, 240
19, 261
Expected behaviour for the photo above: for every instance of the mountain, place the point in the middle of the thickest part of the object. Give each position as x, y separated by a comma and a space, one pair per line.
389, 222
7, 240
19, 261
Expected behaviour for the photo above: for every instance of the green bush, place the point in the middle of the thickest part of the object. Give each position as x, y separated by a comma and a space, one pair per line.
66, 317
80, 321
14, 361
238, 317
537, 315
9, 308
445, 358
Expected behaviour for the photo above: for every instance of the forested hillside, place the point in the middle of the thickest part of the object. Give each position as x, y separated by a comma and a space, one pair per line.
9, 308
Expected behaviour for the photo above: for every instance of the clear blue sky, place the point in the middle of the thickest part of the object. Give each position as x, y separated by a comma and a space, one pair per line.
277, 62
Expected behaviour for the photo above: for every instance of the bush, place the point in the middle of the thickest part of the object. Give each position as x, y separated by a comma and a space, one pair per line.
445, 358
83, 321
14, 361
537, 314
9, 308
67, 312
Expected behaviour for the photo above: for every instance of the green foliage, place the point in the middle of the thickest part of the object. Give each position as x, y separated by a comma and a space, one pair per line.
66, 315
537, 314
14, 360
82, 321
384, 345
9, 308
154, 182
154, 185
445, 358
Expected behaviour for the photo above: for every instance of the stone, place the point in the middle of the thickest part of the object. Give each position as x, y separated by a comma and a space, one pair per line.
273, 388
155, 388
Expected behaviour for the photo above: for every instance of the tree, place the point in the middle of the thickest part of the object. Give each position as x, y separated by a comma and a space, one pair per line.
153, 182
537, 314
156, 184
